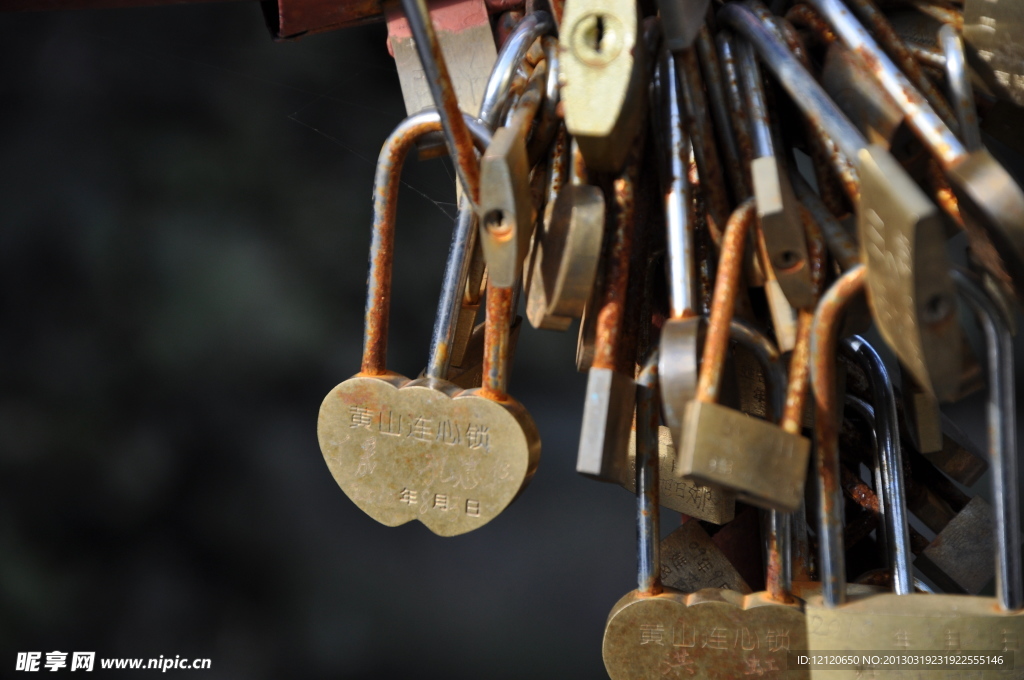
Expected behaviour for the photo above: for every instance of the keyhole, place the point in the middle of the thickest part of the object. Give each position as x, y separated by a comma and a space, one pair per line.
597, 38
595, 34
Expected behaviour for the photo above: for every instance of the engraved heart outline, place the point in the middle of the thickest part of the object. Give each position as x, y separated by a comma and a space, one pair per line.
426, 450
708, 634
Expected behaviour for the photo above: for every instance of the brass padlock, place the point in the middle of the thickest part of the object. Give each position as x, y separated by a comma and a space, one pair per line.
758, 460
655, 631
422, 449
709, 504
778, 212
506, 208
914, 622
608, 408
908, 285
604, 79
566, 253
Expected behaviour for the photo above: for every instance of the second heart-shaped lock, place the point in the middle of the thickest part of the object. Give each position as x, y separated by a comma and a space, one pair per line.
426, 450
712, 633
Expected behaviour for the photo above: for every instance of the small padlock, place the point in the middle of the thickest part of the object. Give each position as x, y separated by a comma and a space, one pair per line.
915, 622
655, 631
608, 408
422, 449
758, 460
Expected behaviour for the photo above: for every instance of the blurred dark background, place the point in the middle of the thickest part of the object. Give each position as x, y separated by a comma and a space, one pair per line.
186, 213
186, 219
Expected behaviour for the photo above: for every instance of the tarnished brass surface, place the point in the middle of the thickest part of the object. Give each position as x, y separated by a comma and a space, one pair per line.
909, 288
506, 209
426, 450
708, 634
708, 503
565, 258
913, 623
721, 440
690, 561
681, 342
603, 79
607, 414
782, 227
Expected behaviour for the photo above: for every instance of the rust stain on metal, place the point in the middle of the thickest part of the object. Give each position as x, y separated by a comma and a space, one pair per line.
806, 17
702, 134
723, 301
464, 151
825, 339
385, 203
895, 47
610, 318
859, 492
496, 330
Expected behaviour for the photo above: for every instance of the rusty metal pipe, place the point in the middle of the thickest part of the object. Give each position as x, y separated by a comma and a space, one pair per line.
723, 301
385, 203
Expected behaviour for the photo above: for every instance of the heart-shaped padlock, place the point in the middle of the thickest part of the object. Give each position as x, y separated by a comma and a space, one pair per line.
426, 449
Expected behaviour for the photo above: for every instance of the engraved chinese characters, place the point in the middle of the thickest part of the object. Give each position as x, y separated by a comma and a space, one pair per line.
707, 634
655, 632
423, 449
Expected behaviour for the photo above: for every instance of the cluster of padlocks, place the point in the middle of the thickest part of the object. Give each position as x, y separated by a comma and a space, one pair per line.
729, 196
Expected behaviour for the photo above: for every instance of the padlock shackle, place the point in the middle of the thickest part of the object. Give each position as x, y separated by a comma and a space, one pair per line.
385, 203
779, 575
453, 286
841, 245
725, 44
958, 81
757, 106
612, 314
804, 90
702, 139
1000, 413
824, 341
532, 26
723, 301
681, 243
718, 103
888, 457
647, 483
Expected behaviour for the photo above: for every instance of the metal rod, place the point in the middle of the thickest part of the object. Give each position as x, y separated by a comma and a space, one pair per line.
897, 531
460, 144
958, 80
681, 244
824, 339
757, 106
919, 114
647, 484
1001, 415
